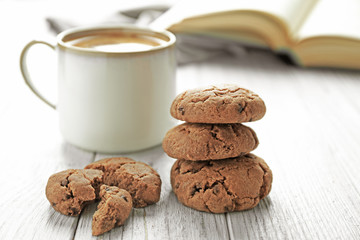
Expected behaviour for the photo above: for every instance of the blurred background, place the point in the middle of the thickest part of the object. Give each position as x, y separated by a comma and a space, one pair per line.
23, 21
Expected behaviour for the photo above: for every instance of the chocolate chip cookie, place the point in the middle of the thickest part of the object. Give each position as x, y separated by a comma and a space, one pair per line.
220, 186
197, 141
139, 179
69, 191
113, 210
228, 104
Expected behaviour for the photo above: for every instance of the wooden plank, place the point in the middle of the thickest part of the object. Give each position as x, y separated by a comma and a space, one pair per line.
32, 151
309, 138
167, 219
32, 148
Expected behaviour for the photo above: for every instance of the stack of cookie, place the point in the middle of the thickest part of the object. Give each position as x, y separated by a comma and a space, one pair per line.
215, 171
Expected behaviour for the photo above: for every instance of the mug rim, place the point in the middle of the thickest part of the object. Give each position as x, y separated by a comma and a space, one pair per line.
62, 44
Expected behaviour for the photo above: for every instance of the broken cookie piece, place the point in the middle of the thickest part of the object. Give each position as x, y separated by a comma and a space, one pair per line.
220, 186
113, 210
139, 179
69, 191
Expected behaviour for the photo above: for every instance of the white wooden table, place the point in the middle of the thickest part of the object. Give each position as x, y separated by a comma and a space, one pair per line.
310, 137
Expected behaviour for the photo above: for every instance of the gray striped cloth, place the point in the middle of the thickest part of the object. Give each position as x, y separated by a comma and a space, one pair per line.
190, 48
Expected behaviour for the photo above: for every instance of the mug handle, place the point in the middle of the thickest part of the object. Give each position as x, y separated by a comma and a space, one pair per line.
25, 72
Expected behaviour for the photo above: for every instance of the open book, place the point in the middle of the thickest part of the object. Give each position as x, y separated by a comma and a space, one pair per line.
319, 33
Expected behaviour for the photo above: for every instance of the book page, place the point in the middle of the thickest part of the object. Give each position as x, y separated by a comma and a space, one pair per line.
333, 18
292, 12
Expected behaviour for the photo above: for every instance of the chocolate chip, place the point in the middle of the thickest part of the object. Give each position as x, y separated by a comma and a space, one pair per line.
195, 190
198, 187
228, 209
177, 185
74, 211
122, 196
64, 182
250, 120
216, 189
229, 148
240, 108
54, 204
181, 109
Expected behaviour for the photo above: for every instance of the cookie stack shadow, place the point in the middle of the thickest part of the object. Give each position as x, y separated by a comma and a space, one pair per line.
215, 171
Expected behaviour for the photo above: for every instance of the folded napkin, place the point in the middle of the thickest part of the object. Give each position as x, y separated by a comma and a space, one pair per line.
190, 48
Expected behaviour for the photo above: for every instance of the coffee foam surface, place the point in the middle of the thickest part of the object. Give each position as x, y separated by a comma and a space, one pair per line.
116, 41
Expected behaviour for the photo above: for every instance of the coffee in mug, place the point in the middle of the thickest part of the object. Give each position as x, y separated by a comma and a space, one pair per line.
116, 41
115, 84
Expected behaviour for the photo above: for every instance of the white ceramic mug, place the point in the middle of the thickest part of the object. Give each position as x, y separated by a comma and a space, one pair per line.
112, 101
